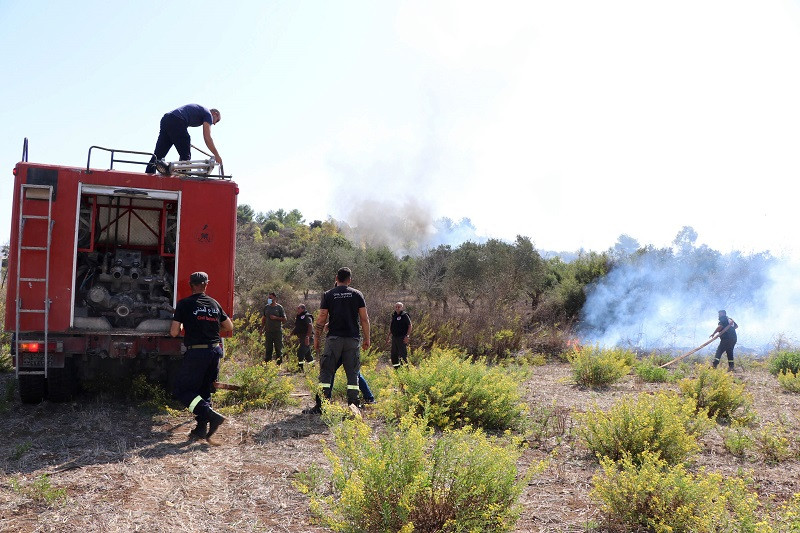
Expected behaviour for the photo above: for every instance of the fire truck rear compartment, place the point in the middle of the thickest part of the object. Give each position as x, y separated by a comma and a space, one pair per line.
125, 263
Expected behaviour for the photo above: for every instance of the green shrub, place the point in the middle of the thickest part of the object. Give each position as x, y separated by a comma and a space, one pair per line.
788, 519
650, 372
449, 391
260, 387
784, 360
664, 425
772, 443
5, 359
246, 344
650, 495
716, 392
149, 395
737, 440
40, 490
407, 480
598, 367
550, 422
789, 381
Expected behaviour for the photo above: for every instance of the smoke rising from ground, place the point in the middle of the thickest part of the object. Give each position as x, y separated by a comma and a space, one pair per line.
669, 299
407, 227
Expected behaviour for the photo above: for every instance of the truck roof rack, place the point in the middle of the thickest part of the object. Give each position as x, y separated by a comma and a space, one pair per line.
195, 168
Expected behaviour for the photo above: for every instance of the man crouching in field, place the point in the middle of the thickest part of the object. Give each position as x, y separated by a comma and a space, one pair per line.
202, 319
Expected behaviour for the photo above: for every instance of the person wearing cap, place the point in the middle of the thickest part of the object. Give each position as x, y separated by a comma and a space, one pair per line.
399, 335
342, 308
272, 320
303, 330
174, 131
201, 318
727, 338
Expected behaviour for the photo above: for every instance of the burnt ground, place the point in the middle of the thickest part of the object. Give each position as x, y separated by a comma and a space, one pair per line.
125, 469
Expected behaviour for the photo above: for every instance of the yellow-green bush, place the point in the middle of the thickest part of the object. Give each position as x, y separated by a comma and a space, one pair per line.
772, 443
788, 520
40, 490
664, 425
789, 381
450, 391
650, 495
717, 392
149, 395
598, 367
5, 358
246, 344
260, 386
408, 480
736, 440
784, 360
650, 371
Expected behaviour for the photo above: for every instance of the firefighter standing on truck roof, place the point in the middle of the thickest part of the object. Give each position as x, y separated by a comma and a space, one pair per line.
174, 130
202, 319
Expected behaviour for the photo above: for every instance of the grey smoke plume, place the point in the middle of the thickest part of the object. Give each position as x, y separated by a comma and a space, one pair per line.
669, 298
407, 227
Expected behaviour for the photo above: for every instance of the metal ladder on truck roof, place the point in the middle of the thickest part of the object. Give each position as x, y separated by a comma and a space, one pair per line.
39, 192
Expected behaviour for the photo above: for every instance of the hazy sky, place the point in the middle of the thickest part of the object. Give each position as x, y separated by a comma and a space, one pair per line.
569, 122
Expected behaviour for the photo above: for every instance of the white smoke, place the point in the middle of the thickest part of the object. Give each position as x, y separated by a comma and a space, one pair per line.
669, 299
407, 227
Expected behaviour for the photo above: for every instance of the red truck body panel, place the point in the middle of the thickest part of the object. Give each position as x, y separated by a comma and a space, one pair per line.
123, 227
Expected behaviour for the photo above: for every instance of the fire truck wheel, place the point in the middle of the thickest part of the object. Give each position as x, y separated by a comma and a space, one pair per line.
61, 383
31, 389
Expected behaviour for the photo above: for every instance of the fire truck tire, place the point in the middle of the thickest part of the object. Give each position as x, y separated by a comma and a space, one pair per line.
31, 389
61, 383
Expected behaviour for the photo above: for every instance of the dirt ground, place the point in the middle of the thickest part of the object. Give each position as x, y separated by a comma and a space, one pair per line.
124, 469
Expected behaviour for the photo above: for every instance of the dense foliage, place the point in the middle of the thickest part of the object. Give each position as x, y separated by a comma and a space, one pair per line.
408, 479
494, 285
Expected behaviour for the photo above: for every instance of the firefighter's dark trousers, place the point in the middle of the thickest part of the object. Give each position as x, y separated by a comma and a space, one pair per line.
195, 380
725, 346
304, 354
273, 339
173, 131
399, 351
340, 351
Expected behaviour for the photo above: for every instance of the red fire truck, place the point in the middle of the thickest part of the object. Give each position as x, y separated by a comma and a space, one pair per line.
98, 260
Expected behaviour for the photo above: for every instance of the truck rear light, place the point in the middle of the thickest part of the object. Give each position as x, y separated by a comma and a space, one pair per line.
36, 347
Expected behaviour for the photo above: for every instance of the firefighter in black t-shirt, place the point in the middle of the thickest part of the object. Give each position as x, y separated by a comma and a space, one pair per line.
342, 308
303, 330
202, 319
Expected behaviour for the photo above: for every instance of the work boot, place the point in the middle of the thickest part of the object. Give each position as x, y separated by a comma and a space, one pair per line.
214, 422
162, 167
316, 410
200, 432
715, 363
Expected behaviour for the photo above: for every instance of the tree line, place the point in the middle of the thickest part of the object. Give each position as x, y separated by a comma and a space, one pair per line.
509, 284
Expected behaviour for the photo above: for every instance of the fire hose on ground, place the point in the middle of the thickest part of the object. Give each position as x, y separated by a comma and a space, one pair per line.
709, 341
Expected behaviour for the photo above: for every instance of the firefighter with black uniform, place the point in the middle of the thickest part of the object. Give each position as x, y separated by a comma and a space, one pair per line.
727, 339
342, 308
399, 335
201, 318
303, 329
